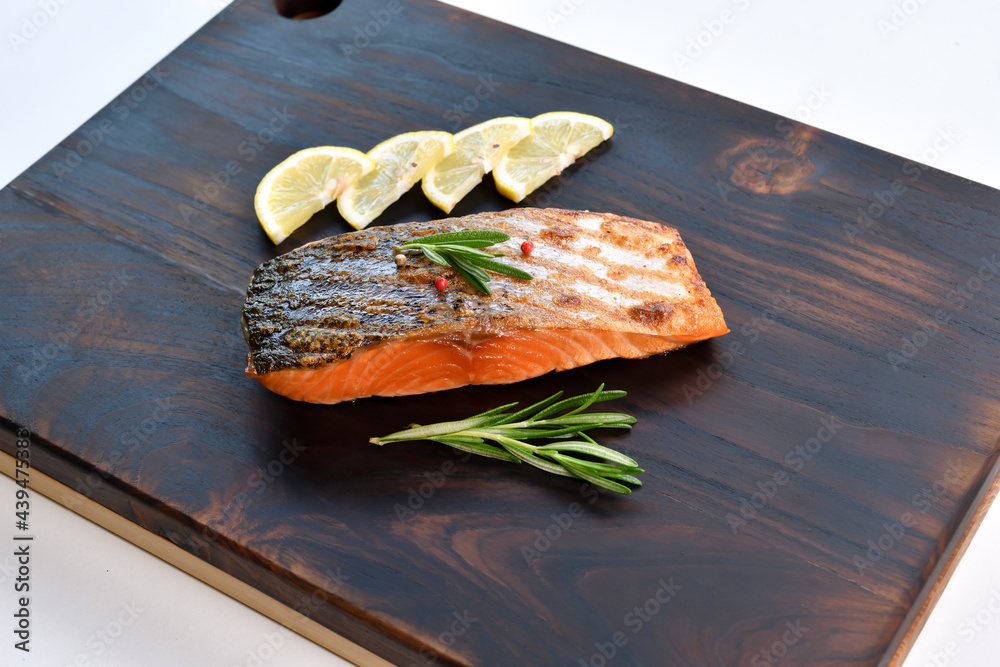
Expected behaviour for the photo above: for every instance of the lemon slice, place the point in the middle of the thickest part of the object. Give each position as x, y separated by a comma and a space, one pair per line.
478, 150
557, 139
303, 184
399, 163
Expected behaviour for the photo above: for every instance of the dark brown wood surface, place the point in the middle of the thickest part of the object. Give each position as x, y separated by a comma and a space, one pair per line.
804, 485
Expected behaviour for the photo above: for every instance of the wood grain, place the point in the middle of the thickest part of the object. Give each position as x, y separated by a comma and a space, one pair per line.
128, 248
298, 621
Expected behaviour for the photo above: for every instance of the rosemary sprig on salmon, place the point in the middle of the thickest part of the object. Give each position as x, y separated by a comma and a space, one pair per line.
583, 458
461, 251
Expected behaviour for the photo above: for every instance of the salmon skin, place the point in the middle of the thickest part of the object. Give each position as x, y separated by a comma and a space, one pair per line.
337, 319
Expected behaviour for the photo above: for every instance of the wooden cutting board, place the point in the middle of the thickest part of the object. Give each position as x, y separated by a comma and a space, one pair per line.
812, 477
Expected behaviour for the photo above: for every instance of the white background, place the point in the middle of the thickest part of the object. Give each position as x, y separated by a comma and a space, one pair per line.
894, 75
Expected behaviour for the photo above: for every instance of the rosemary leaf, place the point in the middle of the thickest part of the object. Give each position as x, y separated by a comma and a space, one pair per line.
553, 468
630, 479
595, 418
422, 432
462, 439
497, 267
577, 400
434, 256
594, 468
594, 450
465, 252
537, 407
483, 449
495, 411
597, 480
488, 236
469, 267
472, 279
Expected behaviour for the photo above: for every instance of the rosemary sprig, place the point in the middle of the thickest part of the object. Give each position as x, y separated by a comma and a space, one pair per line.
461, 251
574, 454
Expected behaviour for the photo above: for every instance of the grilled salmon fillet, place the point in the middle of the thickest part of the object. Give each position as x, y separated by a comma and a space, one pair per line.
337, 319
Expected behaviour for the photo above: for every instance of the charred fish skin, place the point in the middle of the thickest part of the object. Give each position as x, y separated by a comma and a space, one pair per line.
323, 302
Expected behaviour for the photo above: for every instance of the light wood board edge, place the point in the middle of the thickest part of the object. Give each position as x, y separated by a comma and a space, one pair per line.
941, 574
169, 552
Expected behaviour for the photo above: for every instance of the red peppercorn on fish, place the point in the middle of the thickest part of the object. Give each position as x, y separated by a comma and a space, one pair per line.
339, 319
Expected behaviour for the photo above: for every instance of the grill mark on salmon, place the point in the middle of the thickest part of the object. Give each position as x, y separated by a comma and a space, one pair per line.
337, 320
